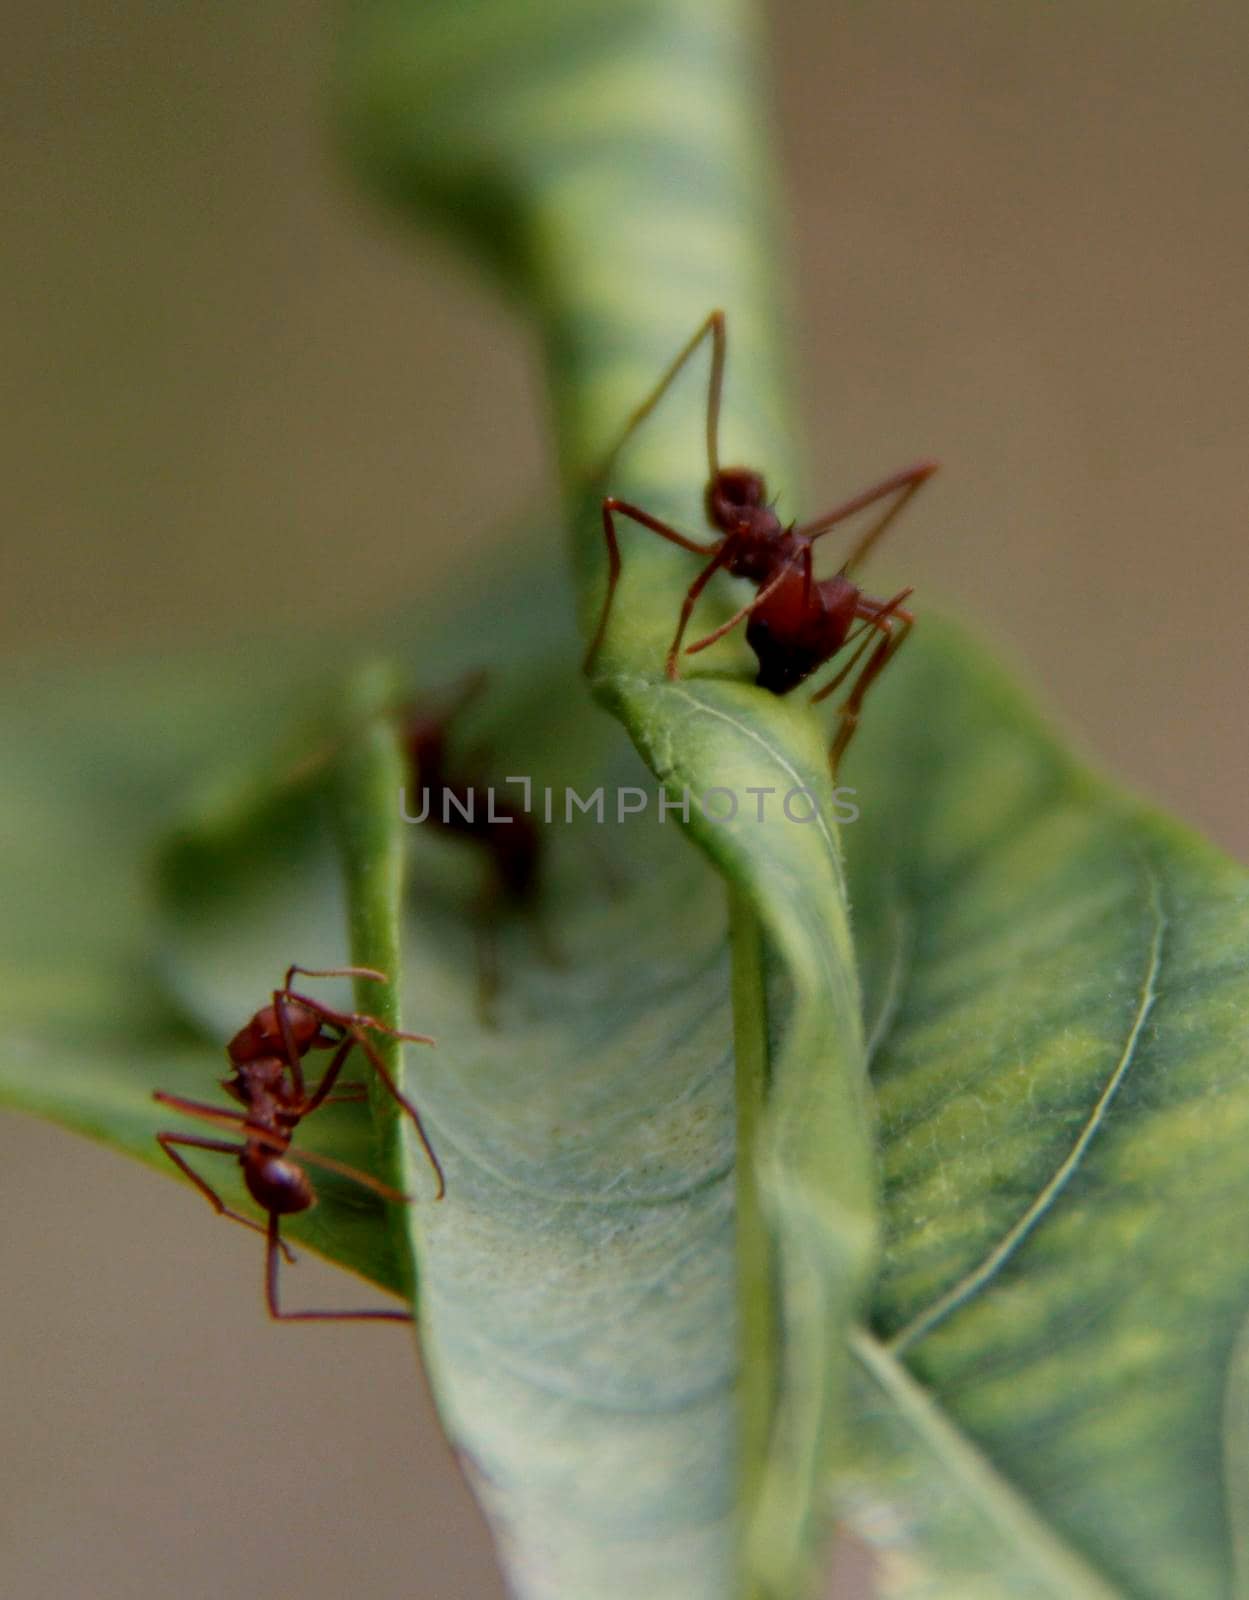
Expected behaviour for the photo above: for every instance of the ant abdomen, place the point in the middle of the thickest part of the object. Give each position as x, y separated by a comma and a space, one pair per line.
280, 1187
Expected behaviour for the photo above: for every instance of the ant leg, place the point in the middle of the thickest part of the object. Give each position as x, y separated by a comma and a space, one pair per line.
168, 1140
379, 1066
314, 1158
769, 588
715, 326
849, 713
913, 479
329, 1076
235, 1121
654, 525
355, 1024
875, 620
902, 484
288, 1037
691, 600
876, 663
349, 1020
271, 1291
329, 972
864, 637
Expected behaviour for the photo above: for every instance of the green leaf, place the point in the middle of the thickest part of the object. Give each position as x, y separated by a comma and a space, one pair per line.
1007, 913
588, 1140
1056, 990
366, 771
611, 161
1050, 1396
577, 1281
97, 1014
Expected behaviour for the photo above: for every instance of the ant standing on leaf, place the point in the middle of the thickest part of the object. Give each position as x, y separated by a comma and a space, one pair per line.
795, 623
266, 1056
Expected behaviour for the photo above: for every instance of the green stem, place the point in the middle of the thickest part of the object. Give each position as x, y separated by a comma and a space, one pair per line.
757, 1338
367, 778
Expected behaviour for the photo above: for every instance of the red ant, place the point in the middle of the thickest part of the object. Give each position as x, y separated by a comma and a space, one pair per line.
795, 623
457, 804
266, 1056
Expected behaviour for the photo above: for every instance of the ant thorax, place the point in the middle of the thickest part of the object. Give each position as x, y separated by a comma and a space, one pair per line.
261, 1084
760, 545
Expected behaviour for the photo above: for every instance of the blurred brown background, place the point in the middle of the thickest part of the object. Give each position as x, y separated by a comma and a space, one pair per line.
1023, 246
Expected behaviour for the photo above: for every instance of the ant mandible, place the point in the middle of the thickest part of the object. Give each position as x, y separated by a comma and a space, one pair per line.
794, 624
266, 1058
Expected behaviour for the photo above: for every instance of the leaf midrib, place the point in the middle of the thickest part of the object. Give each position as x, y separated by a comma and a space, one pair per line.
971, 1283
980, 1479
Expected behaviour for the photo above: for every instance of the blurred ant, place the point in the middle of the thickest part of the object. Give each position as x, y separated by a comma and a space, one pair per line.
795, 623
458, 805
266, 1056
454, 801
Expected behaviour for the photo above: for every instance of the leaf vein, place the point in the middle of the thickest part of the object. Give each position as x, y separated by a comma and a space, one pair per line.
756, 738
902, 925
1064, 1568
974, 1281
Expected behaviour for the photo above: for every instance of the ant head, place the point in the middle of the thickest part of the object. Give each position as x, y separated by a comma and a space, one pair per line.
732, 492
